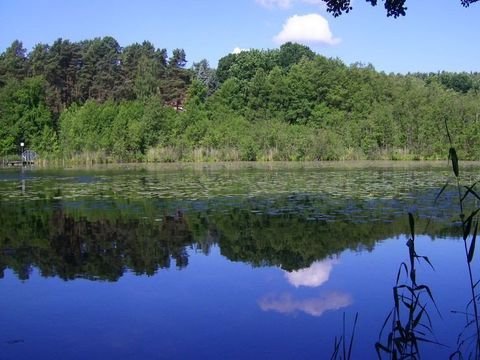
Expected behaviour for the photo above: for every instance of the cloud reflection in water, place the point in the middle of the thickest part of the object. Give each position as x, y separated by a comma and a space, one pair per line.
315, 275
286, 304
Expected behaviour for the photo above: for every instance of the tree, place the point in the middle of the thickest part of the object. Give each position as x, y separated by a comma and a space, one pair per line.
175, 83
142, 67
394, 8
258, 95
38, 59
156, 120
206, 75
101, 71
13, 63
178, 59
223, 68
23, 114
245, 64
61, 70
291, 53
146, 79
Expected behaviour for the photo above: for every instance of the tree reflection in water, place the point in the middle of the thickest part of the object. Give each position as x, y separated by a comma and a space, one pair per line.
103, 244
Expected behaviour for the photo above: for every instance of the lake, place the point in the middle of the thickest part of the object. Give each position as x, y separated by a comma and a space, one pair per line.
224, 261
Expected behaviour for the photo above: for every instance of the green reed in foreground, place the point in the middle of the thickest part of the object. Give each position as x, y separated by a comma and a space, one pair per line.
409, 317
340, 345
468, 341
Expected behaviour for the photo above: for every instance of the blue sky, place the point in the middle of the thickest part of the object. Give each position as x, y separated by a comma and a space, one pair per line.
427, 39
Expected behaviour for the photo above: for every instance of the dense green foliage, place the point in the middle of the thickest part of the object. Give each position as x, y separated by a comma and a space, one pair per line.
96, 101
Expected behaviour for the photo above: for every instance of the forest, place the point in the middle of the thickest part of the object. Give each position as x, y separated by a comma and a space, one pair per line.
95, 101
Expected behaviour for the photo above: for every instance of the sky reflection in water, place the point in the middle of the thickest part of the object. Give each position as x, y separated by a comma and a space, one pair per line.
215, 308
313, 276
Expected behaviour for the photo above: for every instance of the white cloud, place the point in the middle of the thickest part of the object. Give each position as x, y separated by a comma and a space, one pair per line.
306, 29
286, 304
238, 50
283, 4
313, 276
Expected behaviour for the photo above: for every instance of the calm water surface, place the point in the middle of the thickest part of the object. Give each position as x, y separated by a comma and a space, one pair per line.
220, 261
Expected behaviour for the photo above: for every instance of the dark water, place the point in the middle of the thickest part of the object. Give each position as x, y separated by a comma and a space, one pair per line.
221, 261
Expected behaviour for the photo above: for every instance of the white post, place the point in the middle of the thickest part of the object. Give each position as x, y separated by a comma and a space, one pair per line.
22, 144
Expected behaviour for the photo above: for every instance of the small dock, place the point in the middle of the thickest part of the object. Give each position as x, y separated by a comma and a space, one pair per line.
6, 163
26, 158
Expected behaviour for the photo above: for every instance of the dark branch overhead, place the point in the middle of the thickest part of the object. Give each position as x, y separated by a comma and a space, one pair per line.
467, 3
394, 8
